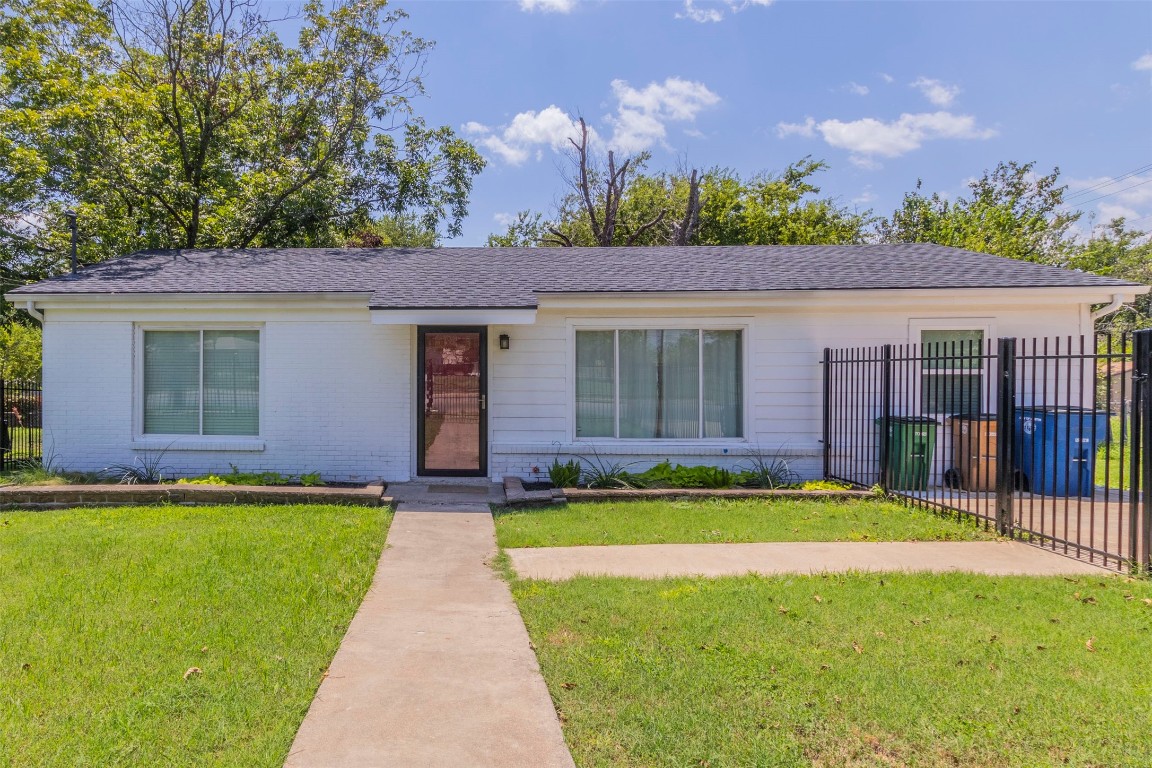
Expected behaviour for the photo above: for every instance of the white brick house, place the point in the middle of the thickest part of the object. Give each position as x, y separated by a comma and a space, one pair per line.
366, 364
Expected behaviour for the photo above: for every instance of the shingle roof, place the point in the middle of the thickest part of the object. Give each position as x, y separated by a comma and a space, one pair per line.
513, 277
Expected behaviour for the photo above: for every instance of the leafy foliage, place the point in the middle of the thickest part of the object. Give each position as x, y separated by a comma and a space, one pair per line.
236, 477
191, 123
763, 470
20, 351
657, 209
147, 467
1010, 212
665, 475
566, 475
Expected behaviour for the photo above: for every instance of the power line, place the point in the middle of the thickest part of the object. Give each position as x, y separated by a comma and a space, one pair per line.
1109, 182
1142, 183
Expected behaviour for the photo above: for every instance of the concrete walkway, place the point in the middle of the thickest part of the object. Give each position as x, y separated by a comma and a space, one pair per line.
436, 668
1002, 558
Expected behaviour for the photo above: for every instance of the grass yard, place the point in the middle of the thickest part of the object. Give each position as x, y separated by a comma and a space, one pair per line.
726, 520
25, 442
174, 636
1113, 469
855, 670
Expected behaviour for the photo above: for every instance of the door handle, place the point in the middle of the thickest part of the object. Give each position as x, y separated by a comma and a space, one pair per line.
483, 402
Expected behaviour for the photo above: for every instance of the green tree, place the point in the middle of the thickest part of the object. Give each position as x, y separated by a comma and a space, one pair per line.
686, 208
1117, 250
1010, 212
190, 123
19, 351
770, 209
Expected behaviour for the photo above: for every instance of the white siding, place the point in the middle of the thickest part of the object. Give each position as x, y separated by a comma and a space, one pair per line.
335, 397
337, 390
532, 401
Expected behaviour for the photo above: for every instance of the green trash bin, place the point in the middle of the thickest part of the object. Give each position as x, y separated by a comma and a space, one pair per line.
911, 446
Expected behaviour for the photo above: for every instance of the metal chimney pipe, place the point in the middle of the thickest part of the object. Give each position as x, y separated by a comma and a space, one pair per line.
71, 216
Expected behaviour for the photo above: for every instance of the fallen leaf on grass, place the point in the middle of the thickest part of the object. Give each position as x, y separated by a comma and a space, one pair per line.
857, 647
193, 671
781, 609
817, 598
1148, 601
567, 686
1088, 644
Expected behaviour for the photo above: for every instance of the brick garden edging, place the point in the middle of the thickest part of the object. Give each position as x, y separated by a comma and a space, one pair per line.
55, 496
517, 496
618, 494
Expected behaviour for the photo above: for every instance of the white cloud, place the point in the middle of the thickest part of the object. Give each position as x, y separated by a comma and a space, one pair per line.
700, 15
642, 113
857, 89
504, 219
550, 127
716, 12
869, 138
807, 129
865, 197
547, 6
1143, 63
939, 93
887, 78
640, 121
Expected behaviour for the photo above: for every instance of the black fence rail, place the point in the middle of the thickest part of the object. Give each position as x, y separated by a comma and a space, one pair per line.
1047, 440
21, 422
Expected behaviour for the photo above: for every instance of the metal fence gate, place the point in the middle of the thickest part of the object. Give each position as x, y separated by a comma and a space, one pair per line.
21, 423
1048, 440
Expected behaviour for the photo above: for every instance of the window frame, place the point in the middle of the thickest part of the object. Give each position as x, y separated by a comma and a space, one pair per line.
138, 433
916, 328
657, 324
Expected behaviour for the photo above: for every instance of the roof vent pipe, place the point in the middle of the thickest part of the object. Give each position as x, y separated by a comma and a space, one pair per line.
71, 216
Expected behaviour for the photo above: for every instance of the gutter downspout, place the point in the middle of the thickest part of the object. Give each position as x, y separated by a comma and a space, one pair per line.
1117, 303
30, 308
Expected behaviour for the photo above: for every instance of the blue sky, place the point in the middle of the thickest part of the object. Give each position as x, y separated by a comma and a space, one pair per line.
886, 93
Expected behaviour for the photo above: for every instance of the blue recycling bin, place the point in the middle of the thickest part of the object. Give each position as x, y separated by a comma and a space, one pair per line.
1056, 448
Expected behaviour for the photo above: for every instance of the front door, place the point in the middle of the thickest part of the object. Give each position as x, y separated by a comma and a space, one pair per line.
452, 428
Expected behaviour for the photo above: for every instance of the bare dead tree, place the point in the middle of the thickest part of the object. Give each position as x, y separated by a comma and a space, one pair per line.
689, 224
598, 194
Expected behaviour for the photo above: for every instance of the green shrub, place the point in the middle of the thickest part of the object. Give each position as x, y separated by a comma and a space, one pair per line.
825, 485
665, 475
565, 475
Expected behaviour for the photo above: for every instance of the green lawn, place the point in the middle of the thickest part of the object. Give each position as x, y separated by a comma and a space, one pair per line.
107, 614
726, 520
853, 670
25, 442
1112, 469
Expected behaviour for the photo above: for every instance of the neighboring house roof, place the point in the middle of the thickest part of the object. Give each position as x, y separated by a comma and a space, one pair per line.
428, 278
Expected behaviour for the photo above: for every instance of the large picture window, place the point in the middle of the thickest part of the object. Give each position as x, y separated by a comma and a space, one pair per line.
201, 382
659, 384
953, 371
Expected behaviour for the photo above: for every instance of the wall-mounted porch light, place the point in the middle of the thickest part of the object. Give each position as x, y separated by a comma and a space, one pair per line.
505, 342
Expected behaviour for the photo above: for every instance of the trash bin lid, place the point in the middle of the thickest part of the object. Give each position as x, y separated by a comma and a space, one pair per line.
913, 420
973, 417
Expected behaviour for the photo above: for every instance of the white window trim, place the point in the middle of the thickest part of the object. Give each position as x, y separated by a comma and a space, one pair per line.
146, 441
916, 327
657, 324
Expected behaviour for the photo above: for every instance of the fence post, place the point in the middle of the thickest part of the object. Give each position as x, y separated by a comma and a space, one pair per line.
1140, 474
1005, 435
827, 437
886, 418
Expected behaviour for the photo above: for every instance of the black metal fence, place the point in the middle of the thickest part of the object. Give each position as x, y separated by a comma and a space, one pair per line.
21, 422
1048, 440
